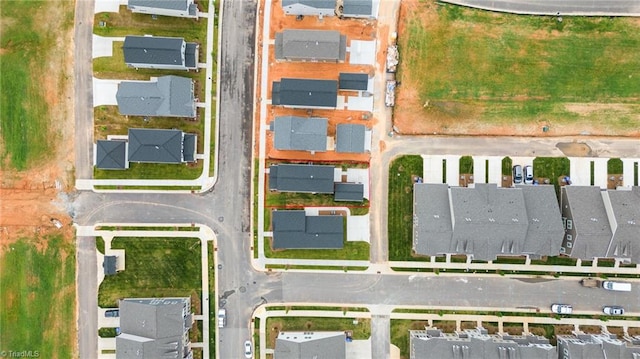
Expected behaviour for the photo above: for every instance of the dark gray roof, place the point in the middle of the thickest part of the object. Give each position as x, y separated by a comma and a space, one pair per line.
545, 231
191, 55
357, 82
310, 45
189, 147
301, 178
626, 235
350, 138
155, 146
305, 93
317, 345
318, 4
111, 155
153, 50
109, 265
294, 230
349, 192
162, 4
432, 226
169, 96
590, 221
300, 133
429, 344
357, 7
488, 221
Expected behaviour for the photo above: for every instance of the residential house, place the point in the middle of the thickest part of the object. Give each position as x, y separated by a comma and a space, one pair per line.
305, 93
177, 8
484, 221
353, 82
166, 96
364, 9
301, 178
293, 229
623, 207
348, 192
109, 265
299, 133
153, 328
309, 7
586, 221
432, 343
352, 138
161, 146
304, 345
156, 52
580, 345
310, 45
110, 155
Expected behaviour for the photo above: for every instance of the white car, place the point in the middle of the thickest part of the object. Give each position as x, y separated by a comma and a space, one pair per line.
613, 310
222, 318
247, 350
562, 308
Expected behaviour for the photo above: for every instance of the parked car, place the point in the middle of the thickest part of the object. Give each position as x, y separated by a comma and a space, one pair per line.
617, 286
248, 353
517, 174
613, 310
222, 318
112, 313
562, 308
528, 174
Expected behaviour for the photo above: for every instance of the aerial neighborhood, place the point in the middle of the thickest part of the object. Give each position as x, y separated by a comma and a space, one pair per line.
326, 179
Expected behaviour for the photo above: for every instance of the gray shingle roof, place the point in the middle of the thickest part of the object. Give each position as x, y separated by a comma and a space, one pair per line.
294, 230
305, 93
299, 133
169, 96
310, 45
357, 82
162, 4
111, 155
155, 146
581, 345
429, 344
357, 7
590, 221
191, 55
153, 328
545, 231
486, 221
350, 138
189, 147
432, 226
301, 178
626, 236
154, 50
318, 4
109, 265
317, 345
349, 192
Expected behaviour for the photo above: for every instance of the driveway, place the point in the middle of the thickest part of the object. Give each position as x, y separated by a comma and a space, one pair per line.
104, 92
108, 5
103, 46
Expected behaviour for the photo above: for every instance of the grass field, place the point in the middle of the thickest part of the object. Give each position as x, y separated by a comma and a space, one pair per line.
350, 251
155, 267
25, 45
502, 68
400, 334
400, 224
37, 298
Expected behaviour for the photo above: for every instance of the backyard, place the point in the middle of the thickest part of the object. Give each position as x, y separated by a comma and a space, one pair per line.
37, 297
471, 71
275, 325
155, 267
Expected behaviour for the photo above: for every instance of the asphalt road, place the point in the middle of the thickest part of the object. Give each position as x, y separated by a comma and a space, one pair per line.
83, 88
564, 7
87, 294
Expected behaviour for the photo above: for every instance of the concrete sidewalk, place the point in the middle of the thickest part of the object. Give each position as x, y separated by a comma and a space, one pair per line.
555, 8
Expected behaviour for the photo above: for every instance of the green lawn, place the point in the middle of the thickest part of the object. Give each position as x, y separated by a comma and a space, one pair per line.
507, 166
614, 166
400, 209
362, 330
300, 200
38, 296
400, 334
24, 114
505, 68
466, 164
351, 251
551, 168
155, 267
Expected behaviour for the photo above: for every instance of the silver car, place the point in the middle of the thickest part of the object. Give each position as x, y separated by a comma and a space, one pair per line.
613, 310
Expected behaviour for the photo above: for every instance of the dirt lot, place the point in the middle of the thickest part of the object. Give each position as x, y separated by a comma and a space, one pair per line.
31, 198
